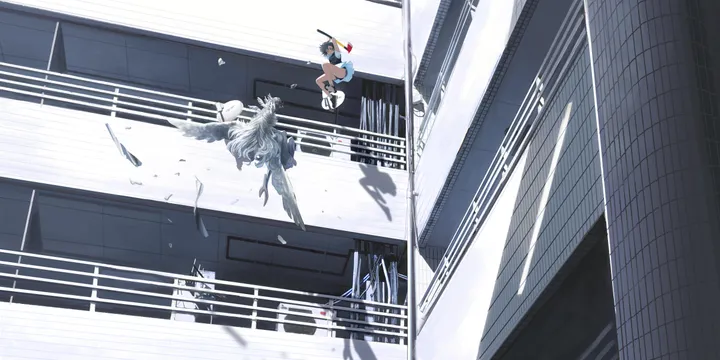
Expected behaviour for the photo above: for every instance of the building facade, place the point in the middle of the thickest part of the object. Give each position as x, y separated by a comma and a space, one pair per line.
565, 174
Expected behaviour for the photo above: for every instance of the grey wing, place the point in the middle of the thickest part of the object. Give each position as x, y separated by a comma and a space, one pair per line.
210, 132
283, 186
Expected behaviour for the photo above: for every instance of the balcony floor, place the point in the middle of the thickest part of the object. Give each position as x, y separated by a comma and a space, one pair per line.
72, 149
36, 332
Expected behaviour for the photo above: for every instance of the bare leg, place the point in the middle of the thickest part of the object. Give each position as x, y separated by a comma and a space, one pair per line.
264, 189
320, 81
334, 71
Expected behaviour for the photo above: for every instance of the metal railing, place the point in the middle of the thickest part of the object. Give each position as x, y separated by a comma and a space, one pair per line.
565, 47
444, 74
136, 103
95, 286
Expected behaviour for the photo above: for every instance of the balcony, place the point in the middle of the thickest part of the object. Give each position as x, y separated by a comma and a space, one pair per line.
57, 136
53, 306
268, 29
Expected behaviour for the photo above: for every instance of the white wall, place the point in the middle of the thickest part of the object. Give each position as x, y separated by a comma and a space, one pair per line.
453, 329
483, 46
284, 28
422, 16
33, 332
69, 148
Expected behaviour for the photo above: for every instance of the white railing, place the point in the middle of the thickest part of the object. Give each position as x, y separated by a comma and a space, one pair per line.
566, 46
97, 286
125, 101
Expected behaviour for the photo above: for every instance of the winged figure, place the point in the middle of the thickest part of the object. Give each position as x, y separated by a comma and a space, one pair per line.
256, 141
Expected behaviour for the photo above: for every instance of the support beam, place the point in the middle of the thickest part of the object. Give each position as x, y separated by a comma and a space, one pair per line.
410, 148
28, 220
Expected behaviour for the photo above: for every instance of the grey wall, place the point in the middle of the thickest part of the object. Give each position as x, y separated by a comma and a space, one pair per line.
573, 206
657, 66
14, 206
578, 309
193, 71
164, 238
169, 66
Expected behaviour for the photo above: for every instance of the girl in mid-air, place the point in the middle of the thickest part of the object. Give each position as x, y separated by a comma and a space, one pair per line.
334, 70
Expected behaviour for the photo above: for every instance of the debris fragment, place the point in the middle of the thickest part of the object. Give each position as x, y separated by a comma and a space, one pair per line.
170, 245
155, 175
168, 197
170, 221
199, 224
135, 182
181, 160
234, 202
281, 240
128, 127
177, 174
293, 86
309, 62
123, 151
221, 62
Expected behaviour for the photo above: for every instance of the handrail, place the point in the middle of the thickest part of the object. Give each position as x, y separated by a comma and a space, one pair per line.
565, 46
388, 320
443, 75
387, 148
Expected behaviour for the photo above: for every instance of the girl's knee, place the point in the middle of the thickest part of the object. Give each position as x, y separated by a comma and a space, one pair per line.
327, 66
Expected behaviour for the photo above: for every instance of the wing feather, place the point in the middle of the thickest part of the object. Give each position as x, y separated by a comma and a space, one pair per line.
283, 186
209, 132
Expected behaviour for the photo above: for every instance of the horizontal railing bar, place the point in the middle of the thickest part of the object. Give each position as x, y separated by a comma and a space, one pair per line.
110, 100
491, 188
206, 290
191, 278
193, 311
201, 117
178, 113
328, 133
193, 300
334, 126
106, 83
184, 98
164, 118
107, 92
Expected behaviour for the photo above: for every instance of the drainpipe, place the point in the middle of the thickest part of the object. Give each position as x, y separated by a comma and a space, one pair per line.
410, 146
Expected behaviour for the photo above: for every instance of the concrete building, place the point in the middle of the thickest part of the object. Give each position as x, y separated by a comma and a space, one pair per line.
565, 182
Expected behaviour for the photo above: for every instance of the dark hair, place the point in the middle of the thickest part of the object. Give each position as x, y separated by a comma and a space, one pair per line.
325, 46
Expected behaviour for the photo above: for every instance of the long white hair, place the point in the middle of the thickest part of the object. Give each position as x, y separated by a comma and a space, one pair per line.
254, 141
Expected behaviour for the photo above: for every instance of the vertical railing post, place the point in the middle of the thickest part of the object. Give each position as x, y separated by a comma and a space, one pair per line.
189, 112
24, 239
93, 295
256, 293
113, 113
402, 323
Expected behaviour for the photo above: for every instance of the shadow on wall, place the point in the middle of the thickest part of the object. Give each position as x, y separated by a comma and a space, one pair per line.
362, 350
237, 337
377, 184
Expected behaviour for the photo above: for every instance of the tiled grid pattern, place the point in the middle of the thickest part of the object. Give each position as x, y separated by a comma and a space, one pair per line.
655, 63
574, 205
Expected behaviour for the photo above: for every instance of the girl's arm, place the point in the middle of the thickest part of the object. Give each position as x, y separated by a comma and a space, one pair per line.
336, 45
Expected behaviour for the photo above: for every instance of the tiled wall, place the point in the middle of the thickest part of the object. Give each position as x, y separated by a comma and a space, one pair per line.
657, 65
573, 206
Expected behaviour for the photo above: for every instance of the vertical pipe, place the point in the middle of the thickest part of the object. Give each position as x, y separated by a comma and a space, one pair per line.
28, 219
409, 135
